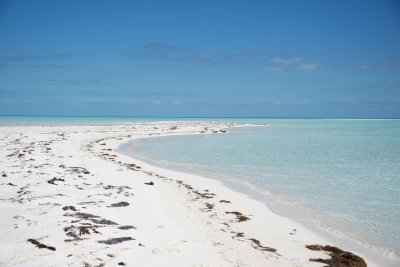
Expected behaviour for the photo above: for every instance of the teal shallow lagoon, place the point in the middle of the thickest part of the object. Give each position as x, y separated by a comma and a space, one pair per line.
343, 174
7, 121
34, 120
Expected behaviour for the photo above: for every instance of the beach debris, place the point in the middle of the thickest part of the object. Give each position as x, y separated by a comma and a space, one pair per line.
4, 175
95, 231
85, 216
338, 257
11, 184
92, 218
121, 263
119, 204
204, 195
224, 201
104, 221
69, 208
79, 170
240, 217
84, 230
121, 189
113, 241
126, 227
75, 169
133, 166
55, 180
150, 183
41, 245
107, 187
257, 245
209, 206
72, 232
294, 231
238, 235
77, 232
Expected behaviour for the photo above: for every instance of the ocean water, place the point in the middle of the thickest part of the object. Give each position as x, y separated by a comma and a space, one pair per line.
72, 120
343, 175
22, 120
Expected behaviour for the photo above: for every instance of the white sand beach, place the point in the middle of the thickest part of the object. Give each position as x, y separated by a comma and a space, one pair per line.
67, 198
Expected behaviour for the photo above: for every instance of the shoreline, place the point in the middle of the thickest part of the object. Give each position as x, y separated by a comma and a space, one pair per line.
195, 221
282, 209
375, 254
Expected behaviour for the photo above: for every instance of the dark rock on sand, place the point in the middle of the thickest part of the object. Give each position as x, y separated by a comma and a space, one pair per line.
339, 258
149, 183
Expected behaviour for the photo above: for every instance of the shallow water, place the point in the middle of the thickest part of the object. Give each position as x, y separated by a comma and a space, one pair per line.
6, 121
345, 174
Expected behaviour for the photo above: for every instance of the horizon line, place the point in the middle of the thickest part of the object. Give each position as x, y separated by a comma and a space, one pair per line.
195, 117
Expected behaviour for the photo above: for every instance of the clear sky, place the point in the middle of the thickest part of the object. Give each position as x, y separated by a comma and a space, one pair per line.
262, 58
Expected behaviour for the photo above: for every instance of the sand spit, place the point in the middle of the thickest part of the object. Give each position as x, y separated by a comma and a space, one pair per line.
67, 198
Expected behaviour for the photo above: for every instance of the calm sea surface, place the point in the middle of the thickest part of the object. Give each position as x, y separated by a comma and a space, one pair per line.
342, 174
72, 120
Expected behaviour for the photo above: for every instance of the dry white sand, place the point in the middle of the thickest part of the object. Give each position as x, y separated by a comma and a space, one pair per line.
68, 199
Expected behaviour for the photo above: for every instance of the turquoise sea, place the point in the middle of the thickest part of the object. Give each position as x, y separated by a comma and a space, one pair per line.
6, 120
342, 175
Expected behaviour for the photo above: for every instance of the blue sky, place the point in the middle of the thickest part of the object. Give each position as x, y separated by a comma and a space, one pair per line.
200, 58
